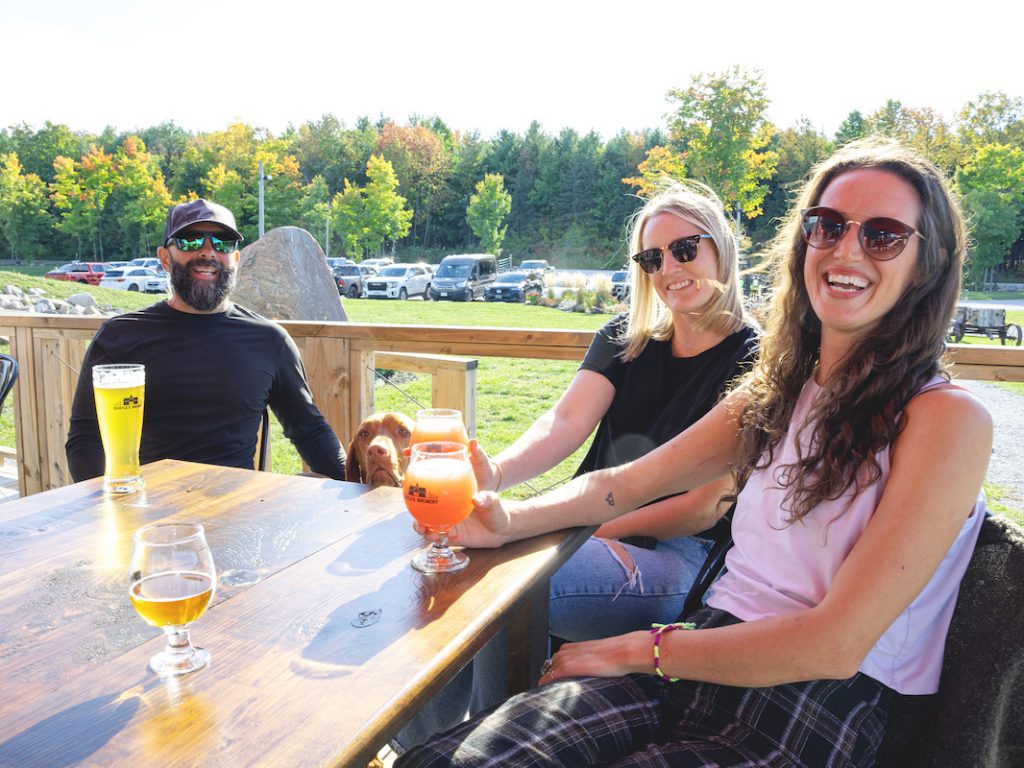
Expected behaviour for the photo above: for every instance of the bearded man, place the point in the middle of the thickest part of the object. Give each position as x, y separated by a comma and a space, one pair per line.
212, 366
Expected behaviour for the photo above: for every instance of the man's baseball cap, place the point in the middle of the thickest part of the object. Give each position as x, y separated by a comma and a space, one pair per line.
196, 211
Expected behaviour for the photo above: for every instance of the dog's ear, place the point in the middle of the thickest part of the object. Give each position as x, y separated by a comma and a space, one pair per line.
353, 471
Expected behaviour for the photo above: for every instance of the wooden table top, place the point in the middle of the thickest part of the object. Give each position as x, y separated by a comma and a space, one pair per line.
317, 664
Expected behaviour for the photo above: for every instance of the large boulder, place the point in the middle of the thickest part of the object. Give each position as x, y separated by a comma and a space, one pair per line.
284, 276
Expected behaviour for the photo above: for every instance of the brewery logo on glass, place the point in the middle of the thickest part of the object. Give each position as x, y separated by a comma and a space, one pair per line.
419, 494
128, 402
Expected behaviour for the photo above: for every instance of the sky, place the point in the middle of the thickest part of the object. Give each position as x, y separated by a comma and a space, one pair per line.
484, 66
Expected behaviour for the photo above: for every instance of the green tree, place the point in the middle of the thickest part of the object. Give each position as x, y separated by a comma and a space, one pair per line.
24, 209
38, 150
798, 148
315, 208
139, 196
469, 156
993, 118
992, 186
80, 191
368, 218
348, 216
387, 218
282, 193
661, 163
487, 210
225, 187
855, 126
422, 164
167, 142
720, 127
326, 148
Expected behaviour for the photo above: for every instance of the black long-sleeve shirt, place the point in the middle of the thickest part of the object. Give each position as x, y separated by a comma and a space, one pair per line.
209, 377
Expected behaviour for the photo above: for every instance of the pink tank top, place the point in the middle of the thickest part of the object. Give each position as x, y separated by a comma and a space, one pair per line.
777, 568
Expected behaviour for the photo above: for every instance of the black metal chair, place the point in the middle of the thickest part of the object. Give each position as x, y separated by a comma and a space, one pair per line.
713, 565
263, 451
8, 375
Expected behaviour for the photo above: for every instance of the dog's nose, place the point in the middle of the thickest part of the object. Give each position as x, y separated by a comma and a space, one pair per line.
379, 450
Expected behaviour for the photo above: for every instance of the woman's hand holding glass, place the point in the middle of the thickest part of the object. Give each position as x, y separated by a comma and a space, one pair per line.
438, 490
487, 527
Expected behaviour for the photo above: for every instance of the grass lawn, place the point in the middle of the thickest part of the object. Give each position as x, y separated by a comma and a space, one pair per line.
510, 392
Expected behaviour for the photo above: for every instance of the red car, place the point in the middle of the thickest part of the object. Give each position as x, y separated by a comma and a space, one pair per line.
90, 272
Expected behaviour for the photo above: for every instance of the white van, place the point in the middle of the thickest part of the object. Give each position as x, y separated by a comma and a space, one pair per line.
463, 277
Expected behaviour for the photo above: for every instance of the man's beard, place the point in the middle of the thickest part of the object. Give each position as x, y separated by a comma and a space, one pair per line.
202, 295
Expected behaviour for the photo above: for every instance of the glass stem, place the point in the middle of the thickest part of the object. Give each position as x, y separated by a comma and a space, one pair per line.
178, 643
442, 541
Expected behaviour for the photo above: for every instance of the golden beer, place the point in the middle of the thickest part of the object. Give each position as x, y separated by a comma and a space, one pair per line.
120, 393
172, 599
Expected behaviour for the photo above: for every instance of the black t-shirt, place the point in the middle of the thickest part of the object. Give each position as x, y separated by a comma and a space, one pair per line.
209, 377
658, 395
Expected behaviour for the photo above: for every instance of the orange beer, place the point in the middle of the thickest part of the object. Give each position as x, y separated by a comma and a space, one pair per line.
439, 425
439, 490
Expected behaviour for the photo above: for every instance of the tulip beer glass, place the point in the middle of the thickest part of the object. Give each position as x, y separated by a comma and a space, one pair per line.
120, 392
170, 583
438, 488
439, 424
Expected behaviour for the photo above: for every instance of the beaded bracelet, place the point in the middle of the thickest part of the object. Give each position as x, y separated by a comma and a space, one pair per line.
658, 630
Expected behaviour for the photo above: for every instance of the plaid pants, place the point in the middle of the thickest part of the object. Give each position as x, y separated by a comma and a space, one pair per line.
644, 721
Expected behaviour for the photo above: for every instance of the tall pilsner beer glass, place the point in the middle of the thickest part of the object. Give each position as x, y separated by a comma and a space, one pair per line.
120, 396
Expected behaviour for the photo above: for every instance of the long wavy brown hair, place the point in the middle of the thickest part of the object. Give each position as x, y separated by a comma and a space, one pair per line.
861, 407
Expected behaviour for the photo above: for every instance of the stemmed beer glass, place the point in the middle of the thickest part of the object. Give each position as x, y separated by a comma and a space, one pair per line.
439, 424
438, 488
171, 582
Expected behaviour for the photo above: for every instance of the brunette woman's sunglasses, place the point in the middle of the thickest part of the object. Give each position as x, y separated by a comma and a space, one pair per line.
683, 250
881, 238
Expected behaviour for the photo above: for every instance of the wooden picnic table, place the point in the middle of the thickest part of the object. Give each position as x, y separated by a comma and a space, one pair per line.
318, 663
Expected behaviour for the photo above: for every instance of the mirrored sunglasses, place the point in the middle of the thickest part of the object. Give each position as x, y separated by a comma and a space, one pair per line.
191, 242
683, 250
881, 238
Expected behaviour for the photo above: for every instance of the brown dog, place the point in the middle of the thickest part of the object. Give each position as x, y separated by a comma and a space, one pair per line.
376, 454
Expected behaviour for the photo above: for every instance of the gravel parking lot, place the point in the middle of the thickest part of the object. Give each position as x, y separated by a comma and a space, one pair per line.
1006, 467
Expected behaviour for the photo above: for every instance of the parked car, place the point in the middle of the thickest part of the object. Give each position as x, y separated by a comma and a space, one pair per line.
337, 262
135, 279
90, 272
463, 276
351, 279
540, 266
117, 264
621, 287
378, 263
150, 262
514, 286
398, 282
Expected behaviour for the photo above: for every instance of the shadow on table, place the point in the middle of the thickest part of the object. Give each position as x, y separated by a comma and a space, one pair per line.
71, 736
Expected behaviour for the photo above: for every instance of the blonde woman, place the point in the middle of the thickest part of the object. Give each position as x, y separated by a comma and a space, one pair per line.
648, 375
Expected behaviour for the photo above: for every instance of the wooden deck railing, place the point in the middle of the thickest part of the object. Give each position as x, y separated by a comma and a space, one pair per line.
339, 358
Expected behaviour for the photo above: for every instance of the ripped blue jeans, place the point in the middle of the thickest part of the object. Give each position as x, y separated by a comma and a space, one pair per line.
596, 595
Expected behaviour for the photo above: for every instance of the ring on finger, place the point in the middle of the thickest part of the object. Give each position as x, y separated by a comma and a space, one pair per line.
545, 668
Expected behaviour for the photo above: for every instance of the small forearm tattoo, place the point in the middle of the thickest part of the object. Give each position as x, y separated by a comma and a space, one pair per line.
609, 499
